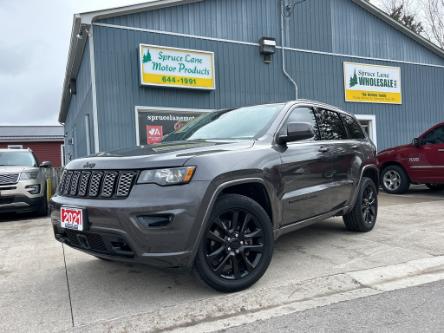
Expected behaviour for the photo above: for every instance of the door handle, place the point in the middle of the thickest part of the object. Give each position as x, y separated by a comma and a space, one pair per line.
323, 149
355, 147
441, 150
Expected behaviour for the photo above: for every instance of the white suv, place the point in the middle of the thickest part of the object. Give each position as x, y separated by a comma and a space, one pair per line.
22, 182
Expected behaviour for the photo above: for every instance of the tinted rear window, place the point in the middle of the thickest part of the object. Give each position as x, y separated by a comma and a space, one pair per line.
353, 127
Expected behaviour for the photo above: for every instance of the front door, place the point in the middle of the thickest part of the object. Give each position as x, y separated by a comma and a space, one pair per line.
302, 173
430, 167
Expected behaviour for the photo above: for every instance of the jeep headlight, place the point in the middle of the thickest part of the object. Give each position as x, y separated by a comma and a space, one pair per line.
29, 175
172, 176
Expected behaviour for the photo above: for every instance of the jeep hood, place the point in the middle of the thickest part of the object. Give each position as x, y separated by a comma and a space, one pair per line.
168, 154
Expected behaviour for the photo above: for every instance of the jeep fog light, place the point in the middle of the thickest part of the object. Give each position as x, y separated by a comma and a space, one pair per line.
33, 189
173, 176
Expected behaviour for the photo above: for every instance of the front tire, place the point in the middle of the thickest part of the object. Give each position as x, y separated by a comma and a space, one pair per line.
394, 180
237, 245
363, 216
43, 209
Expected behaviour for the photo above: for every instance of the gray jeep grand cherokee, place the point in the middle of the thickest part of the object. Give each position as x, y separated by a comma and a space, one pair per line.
217, 193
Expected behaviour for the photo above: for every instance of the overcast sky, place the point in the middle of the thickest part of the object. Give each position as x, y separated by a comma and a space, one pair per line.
33, 53
34, 43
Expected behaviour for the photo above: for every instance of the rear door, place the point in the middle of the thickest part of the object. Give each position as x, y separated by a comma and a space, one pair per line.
430, 167
338, 155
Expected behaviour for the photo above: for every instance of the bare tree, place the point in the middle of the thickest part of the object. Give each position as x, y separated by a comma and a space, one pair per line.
434, 21
401, 11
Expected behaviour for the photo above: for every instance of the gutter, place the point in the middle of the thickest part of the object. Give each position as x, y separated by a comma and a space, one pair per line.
283, 40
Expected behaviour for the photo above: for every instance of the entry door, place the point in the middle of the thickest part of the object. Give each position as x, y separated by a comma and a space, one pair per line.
368, 124
431, 156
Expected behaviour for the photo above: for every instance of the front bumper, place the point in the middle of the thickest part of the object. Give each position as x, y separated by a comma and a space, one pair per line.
16, 197
116, 230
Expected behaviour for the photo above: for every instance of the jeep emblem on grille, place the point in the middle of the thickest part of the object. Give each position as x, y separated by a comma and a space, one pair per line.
89, 165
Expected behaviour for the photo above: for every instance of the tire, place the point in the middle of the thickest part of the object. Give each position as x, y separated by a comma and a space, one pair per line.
362, 217
435, 187
43, 210
237, 245
394, 180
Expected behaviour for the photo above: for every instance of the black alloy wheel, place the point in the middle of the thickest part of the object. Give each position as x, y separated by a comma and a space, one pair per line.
364, 213
237, 246
369, 205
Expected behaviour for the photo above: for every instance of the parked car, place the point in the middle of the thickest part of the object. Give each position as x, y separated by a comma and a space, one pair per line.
421, 162
22, 182
218, 192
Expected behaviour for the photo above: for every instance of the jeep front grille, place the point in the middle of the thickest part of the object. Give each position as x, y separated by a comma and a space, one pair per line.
100, 184
9, 178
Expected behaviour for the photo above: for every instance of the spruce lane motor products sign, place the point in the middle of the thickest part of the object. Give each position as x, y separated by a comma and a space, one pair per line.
372, 84
172, 67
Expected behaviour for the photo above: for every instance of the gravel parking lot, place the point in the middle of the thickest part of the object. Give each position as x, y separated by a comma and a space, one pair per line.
38, 294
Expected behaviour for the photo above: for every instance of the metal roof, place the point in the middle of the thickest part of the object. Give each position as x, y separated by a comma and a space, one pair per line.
81, 23
31, 133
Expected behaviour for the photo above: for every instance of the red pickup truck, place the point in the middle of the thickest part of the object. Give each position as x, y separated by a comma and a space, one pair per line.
421, 162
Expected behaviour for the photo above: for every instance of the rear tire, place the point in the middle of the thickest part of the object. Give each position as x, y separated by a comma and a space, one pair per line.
362, 217
237, 244
394, 180
435, 187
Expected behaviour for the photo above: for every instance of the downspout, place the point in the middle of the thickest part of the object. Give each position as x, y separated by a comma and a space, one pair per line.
284, 65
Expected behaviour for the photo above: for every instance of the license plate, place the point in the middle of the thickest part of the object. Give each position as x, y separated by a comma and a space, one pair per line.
72, 218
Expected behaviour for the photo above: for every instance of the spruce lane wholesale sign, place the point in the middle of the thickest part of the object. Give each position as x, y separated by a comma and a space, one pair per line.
372, 84
172, 67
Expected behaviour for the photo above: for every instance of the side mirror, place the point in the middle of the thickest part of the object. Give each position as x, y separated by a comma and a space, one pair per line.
46, 164
296, 132
417, 142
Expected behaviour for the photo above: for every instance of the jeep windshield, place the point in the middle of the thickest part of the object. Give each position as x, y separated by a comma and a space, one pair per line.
17, 158
236, 124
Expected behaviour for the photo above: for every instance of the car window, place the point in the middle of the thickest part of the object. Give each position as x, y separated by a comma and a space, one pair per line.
330, 125
435, 136
353, 127
303, 115
17, 158
243, 123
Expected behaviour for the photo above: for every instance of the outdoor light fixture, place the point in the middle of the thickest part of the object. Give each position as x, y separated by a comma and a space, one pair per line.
81, 35
72, 86
267, 47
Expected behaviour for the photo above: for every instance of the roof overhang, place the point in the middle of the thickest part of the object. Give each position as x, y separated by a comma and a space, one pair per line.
79, 37
399, 26
19, 139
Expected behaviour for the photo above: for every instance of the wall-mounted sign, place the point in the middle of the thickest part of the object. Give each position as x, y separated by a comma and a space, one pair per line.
372, 84
153, 124
180, 68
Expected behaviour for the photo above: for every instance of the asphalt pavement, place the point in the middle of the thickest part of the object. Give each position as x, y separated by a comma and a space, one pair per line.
416, 309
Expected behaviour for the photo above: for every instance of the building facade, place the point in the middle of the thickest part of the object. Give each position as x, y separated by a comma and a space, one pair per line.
46, 142
343, 52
